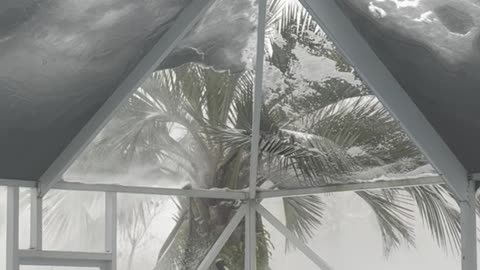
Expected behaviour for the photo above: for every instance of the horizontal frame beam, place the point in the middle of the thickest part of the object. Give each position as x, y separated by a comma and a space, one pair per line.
358, 52
17, 183
87, 256
475, 176
420, 181
183, 23
237, 194
198, 193
61, 258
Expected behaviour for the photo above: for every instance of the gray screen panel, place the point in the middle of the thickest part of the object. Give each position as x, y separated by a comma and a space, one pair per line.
59, 61
432, 49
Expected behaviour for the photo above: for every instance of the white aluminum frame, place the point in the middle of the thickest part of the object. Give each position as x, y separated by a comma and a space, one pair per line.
251, 215
12, 228
37, 256
468, 222
61, 258
111, 229
357, 51
249, 209
17, 183
240, 194
197, 193
251, 236
258, 96
408, 182
36, 220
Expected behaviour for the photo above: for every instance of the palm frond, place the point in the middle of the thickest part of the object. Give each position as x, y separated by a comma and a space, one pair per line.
438, 214
311, 159
331, 120
394, 217
282, 14
303, 215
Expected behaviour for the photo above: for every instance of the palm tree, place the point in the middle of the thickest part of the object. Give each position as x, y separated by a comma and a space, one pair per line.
192, 124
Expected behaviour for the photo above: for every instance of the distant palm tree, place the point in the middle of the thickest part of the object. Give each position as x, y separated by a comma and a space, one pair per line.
193, 124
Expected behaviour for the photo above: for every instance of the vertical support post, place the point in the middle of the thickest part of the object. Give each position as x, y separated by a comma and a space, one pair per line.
468, 220
36, 217
12, 228
258, 97
111, 228
251, 236
250, 218
247, 240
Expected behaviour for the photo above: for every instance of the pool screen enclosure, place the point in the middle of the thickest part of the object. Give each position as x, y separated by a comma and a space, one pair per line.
67, 68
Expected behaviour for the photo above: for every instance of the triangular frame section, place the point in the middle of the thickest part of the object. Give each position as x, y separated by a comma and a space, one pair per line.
184, 22
356, 50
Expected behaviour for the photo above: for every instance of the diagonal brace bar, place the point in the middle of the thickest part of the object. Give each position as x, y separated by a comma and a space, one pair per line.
223, 238
293, 238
